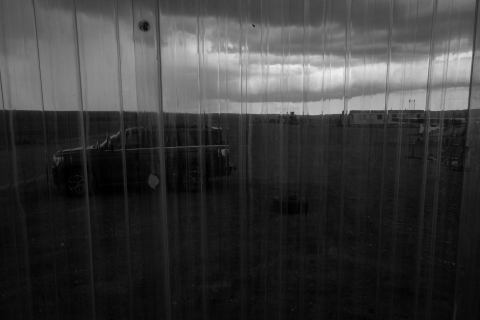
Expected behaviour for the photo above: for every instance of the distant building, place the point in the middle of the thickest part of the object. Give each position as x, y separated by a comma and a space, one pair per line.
378, 118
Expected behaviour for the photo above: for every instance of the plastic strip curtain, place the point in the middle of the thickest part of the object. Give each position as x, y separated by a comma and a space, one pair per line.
238, 159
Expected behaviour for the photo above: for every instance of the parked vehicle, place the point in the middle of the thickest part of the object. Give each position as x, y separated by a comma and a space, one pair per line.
192, 156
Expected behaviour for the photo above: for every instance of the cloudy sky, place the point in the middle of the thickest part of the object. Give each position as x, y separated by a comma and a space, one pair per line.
262, 56
308, 59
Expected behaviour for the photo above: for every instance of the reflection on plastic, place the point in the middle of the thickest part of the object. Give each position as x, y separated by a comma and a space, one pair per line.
153, 181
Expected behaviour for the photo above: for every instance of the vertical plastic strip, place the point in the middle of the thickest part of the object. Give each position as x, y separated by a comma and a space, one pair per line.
11, 187
346, 76
322, 213
265, 69
382, 182
228, 247
84, 164
189, 228
200, 153
124, 167
285, 157
398, 161
164, 246
218, 194
303, 138
365, 162
437, 166
243, 72
41, 81
467, 290
425, 156
18, 213
282, 172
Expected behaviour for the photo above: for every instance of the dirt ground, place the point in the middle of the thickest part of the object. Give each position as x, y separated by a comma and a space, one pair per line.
368, 232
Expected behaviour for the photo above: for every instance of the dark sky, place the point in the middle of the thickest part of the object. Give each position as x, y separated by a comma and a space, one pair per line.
255, 55
291, 39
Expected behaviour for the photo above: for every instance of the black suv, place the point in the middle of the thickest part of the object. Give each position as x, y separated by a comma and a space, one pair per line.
192, 155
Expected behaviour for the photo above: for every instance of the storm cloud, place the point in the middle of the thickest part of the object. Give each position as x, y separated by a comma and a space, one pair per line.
236, 51
291, 51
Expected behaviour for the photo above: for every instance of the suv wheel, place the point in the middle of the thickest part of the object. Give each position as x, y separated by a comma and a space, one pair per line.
193, 181
75, 183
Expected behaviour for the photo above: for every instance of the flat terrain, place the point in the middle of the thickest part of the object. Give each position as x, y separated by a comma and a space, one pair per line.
368, 230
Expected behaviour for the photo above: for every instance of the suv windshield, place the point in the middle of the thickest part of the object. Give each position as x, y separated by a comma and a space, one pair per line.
115, 141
